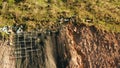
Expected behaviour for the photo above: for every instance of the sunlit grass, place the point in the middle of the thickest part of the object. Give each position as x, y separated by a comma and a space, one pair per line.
105, 14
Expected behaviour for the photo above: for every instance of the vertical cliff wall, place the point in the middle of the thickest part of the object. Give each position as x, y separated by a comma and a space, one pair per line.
98, 48
71, 46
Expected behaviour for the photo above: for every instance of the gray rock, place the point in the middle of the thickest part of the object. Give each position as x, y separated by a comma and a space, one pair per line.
19, 30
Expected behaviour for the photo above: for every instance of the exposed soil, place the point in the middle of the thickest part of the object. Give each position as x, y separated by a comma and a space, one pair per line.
97, 48
73, 46
5, 51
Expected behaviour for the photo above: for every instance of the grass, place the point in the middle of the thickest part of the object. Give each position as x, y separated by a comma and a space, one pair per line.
105, 14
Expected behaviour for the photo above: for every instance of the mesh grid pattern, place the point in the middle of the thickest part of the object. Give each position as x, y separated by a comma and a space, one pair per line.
26, 44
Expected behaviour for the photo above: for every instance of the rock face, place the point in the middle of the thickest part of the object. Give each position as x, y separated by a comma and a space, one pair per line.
73, 46
89, 47
5, 61
97, 48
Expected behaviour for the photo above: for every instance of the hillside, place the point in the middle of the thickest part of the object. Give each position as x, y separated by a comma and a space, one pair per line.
59, 33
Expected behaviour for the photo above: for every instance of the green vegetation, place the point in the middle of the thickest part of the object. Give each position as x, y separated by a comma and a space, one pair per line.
105, 14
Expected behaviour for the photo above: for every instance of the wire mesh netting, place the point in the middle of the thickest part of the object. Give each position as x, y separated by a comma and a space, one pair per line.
27, 49
25, 45
31, 50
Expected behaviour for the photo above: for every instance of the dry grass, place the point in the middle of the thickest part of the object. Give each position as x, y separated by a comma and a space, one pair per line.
103, 13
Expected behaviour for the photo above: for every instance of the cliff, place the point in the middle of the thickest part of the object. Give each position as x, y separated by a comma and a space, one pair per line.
60, 40
72, 46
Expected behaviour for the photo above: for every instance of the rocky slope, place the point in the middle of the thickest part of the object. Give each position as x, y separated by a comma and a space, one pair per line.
97, 48
74, 46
